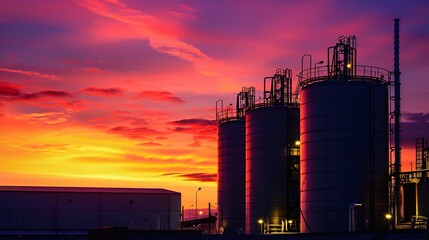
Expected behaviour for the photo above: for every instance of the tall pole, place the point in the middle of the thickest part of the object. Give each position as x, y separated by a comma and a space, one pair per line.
196, 203
209, 218
397, 74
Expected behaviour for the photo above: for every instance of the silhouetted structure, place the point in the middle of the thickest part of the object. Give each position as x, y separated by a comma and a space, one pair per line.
87, 208
272, 157
344, 144
232, 162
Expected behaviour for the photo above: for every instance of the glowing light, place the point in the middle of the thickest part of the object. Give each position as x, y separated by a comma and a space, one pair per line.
349, 65
260, 221
297, 143
388, 216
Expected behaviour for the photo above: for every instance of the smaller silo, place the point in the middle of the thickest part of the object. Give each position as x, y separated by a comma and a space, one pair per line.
232, 163
272, 179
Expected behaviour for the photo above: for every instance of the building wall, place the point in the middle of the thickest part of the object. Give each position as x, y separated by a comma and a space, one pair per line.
74, 210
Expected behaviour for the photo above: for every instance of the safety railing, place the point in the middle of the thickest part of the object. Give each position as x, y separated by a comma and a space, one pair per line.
359, 72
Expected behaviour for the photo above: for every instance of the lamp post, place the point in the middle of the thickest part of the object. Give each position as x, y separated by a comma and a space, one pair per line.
389, 217
290, 221
261, 222
352, 223
196, 203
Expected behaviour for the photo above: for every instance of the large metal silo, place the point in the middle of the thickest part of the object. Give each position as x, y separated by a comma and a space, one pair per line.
344, 144
271, 132
232, 163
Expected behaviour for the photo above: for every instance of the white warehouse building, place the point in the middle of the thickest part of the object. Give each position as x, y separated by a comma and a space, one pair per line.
88, 208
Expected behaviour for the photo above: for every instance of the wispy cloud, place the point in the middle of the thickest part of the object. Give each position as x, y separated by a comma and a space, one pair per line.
150, 144
45, 117
134, 133
13, 92
103, 91
200, 177
30, 73
162, 37
196, 126
416, 125
160, 96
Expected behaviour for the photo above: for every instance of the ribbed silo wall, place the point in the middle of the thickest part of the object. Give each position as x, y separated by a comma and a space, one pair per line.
344, 155
423, 193
266, 166
231, 175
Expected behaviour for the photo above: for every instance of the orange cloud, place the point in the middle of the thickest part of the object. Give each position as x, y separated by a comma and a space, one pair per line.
30, 73
134, 133
45, 118
162, 96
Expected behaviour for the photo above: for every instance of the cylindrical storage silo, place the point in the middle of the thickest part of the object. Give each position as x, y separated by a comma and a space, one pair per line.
423, 193
231, 175
344, 154
266, 168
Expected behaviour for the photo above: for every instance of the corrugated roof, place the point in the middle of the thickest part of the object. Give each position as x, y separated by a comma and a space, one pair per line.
85, 189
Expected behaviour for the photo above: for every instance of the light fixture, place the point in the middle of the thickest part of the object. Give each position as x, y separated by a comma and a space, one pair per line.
388, 216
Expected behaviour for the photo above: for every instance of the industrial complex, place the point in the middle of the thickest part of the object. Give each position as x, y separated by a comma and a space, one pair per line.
324, 158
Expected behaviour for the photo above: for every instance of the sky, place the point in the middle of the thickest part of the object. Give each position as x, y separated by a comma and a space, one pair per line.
122, 93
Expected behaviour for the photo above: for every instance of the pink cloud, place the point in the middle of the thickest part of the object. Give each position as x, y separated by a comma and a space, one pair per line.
103, 91
30, 73
162, 37
194, 124
92, 70
9, 89
199, 127
162, 96
12, 92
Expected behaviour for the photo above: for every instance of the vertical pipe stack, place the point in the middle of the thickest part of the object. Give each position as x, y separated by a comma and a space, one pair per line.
396, 74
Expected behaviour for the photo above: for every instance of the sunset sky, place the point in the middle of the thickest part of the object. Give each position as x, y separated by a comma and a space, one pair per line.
122, 93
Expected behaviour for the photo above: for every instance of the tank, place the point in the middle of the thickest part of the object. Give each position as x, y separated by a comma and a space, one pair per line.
231, 175
271, 130
344, 144
232, 163
423, 193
